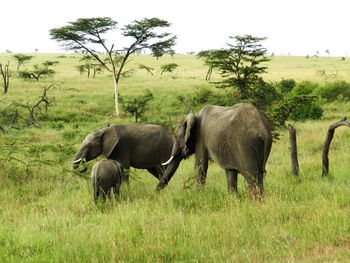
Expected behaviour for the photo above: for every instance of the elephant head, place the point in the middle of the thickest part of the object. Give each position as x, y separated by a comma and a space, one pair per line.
183, 147
101, 142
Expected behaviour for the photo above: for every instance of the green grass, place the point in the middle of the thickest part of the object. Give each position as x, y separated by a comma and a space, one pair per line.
47, 213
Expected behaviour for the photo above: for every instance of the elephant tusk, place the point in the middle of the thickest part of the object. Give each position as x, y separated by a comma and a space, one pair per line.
77, 161
167, 162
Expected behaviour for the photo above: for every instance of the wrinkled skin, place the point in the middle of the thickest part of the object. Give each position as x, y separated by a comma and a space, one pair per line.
237, 138
105, 175
143, 146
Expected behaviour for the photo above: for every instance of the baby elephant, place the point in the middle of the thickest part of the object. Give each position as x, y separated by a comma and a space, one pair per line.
106, 174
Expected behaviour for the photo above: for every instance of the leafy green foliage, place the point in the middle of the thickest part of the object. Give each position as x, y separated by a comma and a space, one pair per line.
136, 105
205, 96
300, 104
148, 69
21, 59
170, 67
286, 85
36, 73
334, 90
239, 64
85, 34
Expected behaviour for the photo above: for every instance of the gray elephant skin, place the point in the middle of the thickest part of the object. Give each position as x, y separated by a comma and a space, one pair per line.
143, 146
105, 176
237, 138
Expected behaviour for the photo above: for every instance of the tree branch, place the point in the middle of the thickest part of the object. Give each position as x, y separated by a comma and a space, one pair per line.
326, 145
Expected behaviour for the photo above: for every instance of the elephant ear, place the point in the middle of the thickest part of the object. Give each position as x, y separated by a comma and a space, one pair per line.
110, 139
188, 125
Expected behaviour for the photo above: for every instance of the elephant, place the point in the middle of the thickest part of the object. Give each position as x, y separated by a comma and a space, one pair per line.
237, 138
105, 175
143, 146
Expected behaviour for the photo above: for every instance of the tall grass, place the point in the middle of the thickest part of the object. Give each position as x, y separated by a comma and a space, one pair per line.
47, 213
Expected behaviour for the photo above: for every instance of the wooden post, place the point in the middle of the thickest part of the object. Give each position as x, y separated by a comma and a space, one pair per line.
327, 143
293, 149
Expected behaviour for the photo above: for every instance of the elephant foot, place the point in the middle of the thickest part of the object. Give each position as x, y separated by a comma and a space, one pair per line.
256, 193
160, 186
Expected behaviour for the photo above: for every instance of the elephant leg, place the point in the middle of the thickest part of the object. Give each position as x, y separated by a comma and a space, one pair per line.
254, 184
232, 176
156, 171
103, 195
261, 182
125, 176
201, 167
116, 189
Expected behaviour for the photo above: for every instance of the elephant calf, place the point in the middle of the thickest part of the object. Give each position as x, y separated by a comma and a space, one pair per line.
105, 175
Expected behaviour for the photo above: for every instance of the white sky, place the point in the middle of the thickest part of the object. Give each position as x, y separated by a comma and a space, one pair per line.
296, 27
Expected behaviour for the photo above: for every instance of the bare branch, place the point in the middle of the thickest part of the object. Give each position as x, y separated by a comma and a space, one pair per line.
327, 143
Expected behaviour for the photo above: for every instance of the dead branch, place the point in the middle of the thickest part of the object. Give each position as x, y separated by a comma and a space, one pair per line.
293, 149
32, 109
327, 143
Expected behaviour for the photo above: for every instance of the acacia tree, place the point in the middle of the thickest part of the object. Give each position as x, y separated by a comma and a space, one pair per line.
86, 33
239, 64
21, 59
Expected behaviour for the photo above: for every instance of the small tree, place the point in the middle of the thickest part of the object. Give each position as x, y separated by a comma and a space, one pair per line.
86, 33
208, 56
148, 69
239, 64
37, 72
168, 68
4, 70
137, 105
21, 59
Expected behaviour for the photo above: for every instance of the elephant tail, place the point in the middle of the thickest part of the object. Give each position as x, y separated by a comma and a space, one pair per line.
267, 147
95, 180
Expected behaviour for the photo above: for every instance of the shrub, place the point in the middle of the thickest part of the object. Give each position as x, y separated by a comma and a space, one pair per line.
311, 110
305, 88
207, 96
136, 105
263, 94
296, 107
332, 91
286, 85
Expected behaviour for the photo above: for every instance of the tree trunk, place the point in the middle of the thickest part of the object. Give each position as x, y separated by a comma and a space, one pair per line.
293, 149
116, 100
5, 76
327, 143
210, 70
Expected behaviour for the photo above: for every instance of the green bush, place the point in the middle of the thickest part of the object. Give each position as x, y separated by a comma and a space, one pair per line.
300, 104
296, 107
136, 105
332, 91
309, 111
305, 88
263, 94
208, 96
286, 85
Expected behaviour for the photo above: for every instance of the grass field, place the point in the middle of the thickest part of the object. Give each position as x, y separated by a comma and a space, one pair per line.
47, 213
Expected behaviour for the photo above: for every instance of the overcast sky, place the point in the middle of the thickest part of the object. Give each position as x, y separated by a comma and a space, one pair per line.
296, 27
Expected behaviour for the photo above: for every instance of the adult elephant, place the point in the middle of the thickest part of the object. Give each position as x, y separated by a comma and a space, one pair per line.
143, 146
237, 138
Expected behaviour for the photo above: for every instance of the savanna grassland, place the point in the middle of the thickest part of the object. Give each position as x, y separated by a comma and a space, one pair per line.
47, 213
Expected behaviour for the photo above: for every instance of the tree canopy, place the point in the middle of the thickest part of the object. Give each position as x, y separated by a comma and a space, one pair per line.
239, 64
86, 34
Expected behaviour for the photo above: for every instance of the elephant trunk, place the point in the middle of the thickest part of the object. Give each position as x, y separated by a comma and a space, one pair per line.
173, 164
